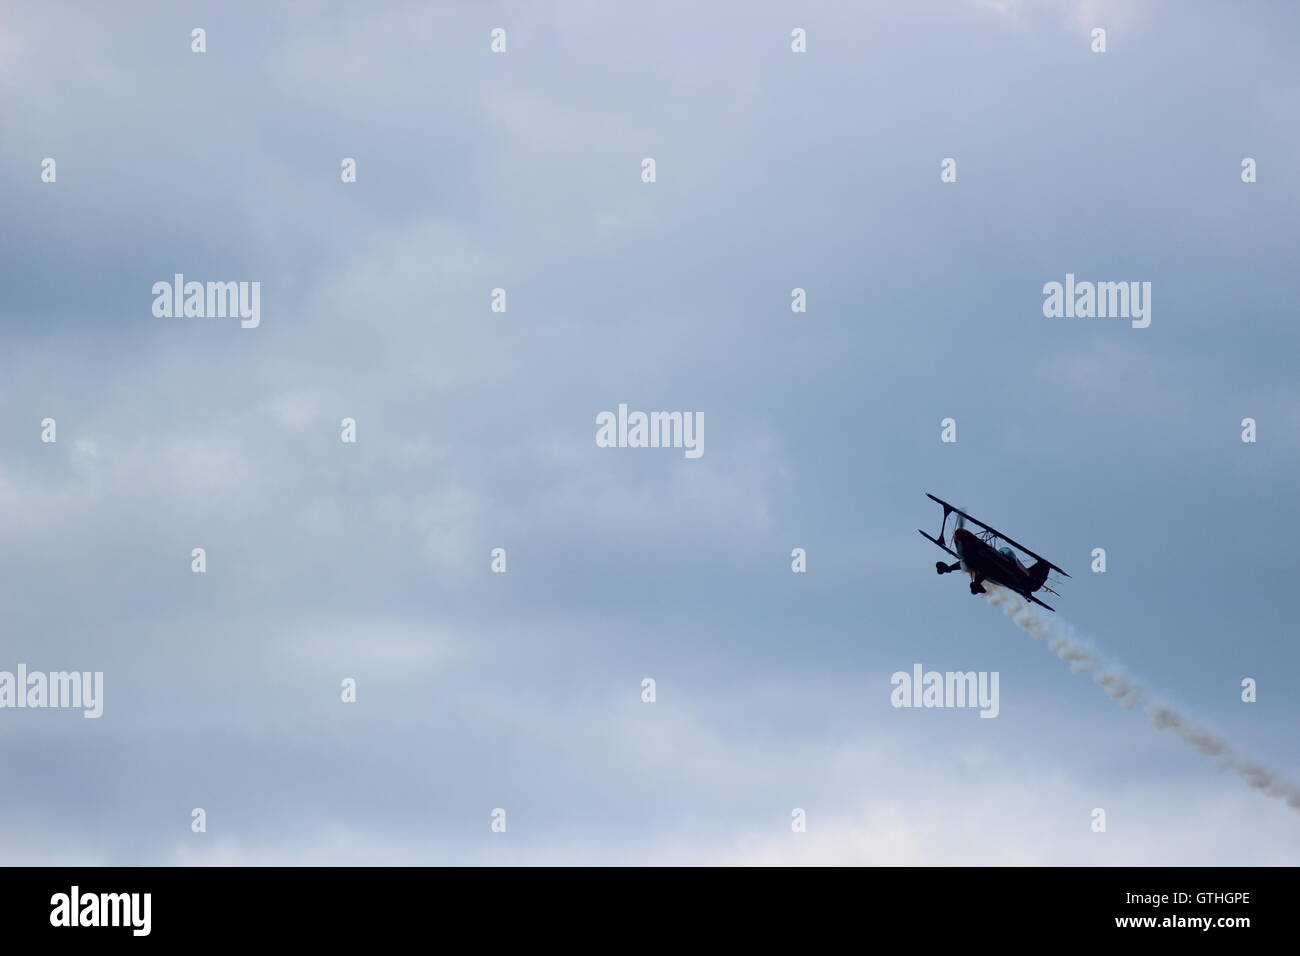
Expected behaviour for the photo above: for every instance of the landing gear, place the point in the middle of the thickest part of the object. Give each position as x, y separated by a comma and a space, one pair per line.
976, 587
942, 568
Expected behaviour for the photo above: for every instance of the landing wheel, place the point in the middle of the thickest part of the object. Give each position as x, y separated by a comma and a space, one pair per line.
976, 588
940, 567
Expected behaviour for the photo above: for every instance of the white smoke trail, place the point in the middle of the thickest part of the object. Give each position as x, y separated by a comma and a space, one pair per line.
1084, 658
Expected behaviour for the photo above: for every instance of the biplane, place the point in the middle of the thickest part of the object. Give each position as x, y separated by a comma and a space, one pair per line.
979, 554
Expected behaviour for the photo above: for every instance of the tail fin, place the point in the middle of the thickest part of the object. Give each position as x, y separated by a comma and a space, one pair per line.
1038, 574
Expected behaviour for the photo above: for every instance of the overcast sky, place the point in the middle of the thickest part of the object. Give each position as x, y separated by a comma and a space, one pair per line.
775, 170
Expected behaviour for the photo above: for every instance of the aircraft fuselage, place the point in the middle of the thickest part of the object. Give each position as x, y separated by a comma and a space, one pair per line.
985, 563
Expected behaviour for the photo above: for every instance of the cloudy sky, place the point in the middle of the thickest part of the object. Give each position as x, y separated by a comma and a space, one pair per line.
775, 170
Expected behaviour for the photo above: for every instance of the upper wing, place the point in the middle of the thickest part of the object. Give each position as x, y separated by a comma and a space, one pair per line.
1013, 543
